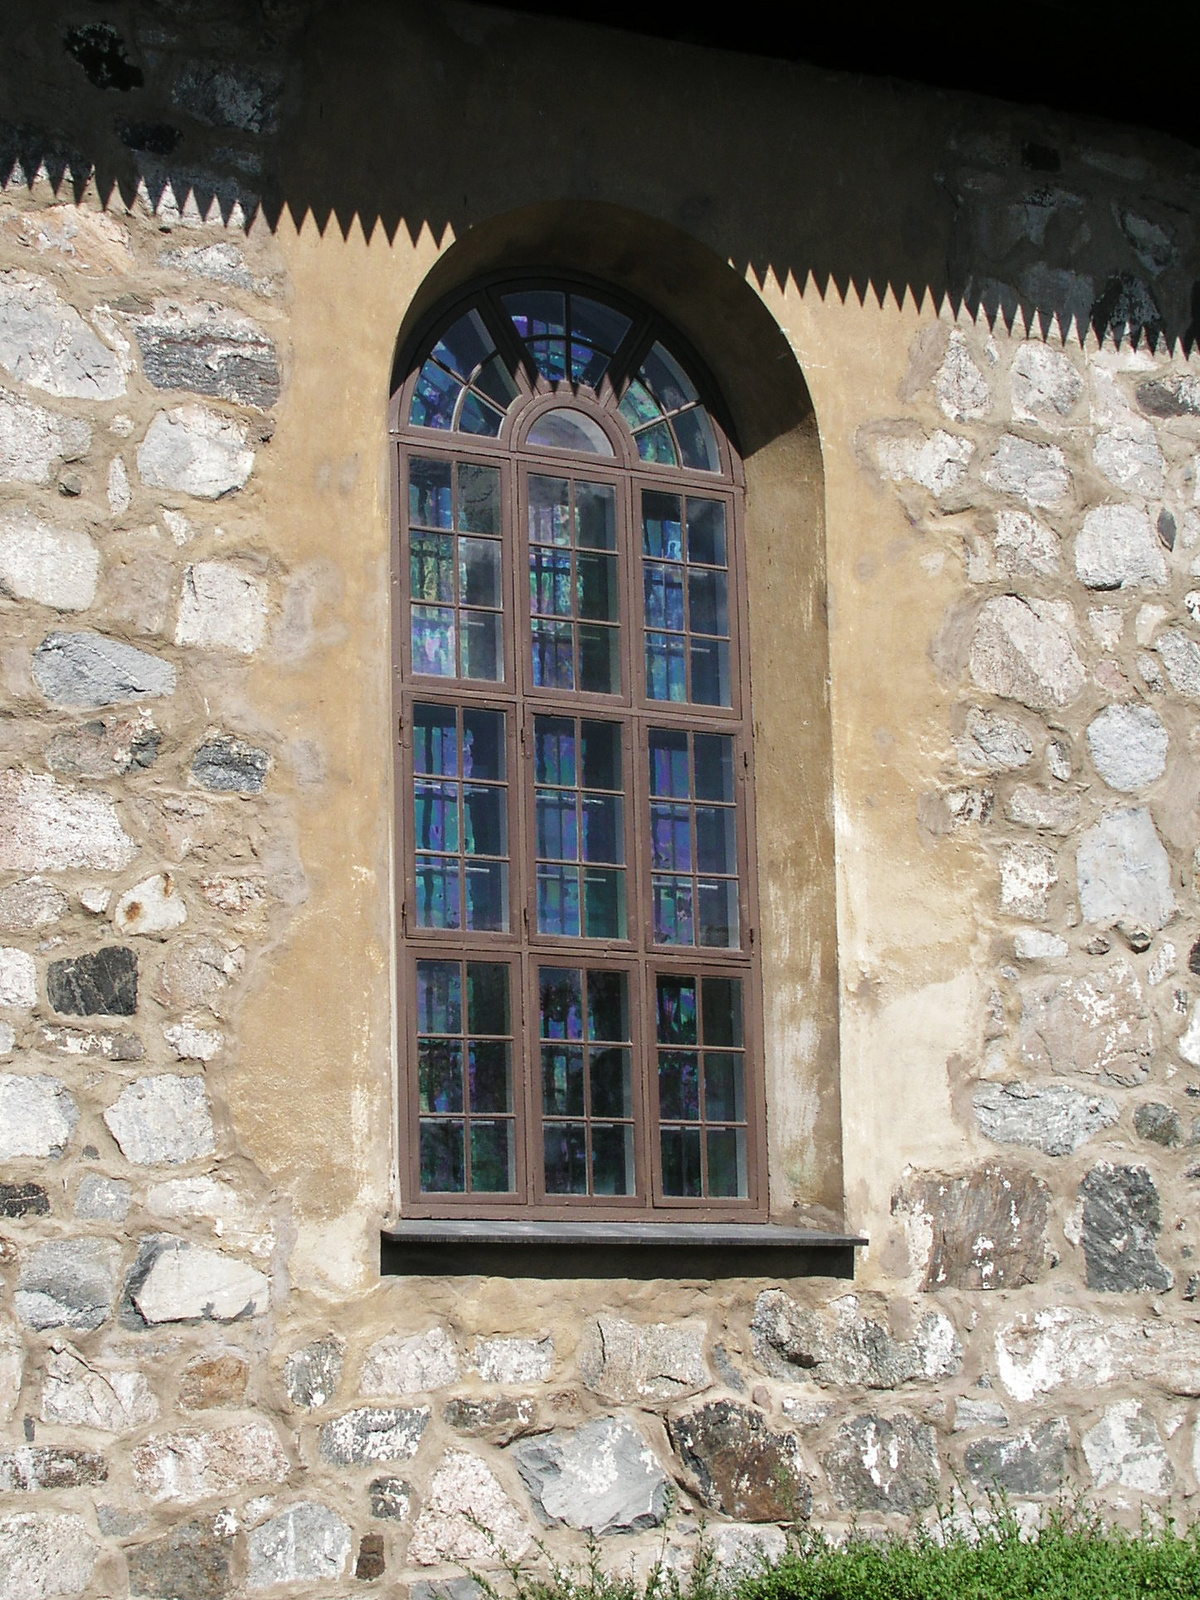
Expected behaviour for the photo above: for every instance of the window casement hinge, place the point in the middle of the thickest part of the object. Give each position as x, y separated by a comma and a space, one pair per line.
404, 918
525, 920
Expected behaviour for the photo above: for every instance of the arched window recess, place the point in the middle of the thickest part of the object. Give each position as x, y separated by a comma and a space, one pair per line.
557, 367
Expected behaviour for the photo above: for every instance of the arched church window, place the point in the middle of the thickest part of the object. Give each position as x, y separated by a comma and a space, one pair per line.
578, 977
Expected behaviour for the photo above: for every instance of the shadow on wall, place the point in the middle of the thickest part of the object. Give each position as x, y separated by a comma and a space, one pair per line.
391, 114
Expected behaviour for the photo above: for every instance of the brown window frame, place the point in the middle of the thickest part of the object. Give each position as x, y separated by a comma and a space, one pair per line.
522, 945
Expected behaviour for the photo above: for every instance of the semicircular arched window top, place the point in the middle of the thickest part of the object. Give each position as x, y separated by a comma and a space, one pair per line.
517, 343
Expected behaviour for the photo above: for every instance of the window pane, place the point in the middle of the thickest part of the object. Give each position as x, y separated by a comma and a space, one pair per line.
550, 581
487, 998
483, 745
431, 566
566, 1157
638, 406
554, 750
466, 344
436, 812
434, 398
706, 532
557, 825
679, 1085
723, 1012
597, 587
558, 900
673, 911
604, 903
716, 841
443, 1163
669, 764
612, 1159
599, 659
664, 596
487, 896
676, 1010
435, 741
562, 1081
714, 766
608, 1006
496, 382
671, 837
656, 444
681, 1162
662, 525
549, 510
727, 1176
478, 573
612, 1084
493, 1157
697, 441
478, 417
663, 374
564, 428
601, 756
666, 667
553, 656
438, 898
484, 821
482, 645
440, 1074
717, 913
603, 828
433, 636
596, 516
537, 311
708, 603
561, 1003
478, 498
711, 684
597, 323
724, 1090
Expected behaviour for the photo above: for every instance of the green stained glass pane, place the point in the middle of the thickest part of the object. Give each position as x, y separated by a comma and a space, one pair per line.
550, 356
550, 581
666, 667
558, 900
603, 903
674, 912
484, 831
431, 566
554, 748
439, 898
486, 895
656, 444
436, 816
638, 406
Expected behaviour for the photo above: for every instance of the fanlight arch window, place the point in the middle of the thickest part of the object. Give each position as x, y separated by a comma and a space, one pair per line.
578, 978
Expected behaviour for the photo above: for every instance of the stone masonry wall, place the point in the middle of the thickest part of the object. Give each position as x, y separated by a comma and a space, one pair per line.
186, 1406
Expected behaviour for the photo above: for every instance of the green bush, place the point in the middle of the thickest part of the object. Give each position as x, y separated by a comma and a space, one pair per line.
1072, 1556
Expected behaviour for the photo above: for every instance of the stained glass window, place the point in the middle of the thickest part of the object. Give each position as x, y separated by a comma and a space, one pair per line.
579, 971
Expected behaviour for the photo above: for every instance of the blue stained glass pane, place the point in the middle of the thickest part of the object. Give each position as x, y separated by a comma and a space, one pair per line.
434, 398
433, 641
478, 417
666, 667
656, 444
711, 681
554, 749
549, 581
553, 656
676, 1010
436, 812
429, 499
666, 378
557, 827
664, 596
464, 345
679, 1085
438, 898
496, 382
638, 406
673, 915
662, 526
443, 1160
435, 741
697, 441
669, 775
561, 1002
558, 900
439, 1074
671, 837
439, 997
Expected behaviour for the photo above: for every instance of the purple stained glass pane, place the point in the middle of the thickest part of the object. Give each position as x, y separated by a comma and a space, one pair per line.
429, 497
664, 596
434, 398
557, 825
671, 837
553, 655
669, 776
558, 900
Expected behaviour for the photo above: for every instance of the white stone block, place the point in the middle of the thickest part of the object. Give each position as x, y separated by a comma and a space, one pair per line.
222, 607
54, 567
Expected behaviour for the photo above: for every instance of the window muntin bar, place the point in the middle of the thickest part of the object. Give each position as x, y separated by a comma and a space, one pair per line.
701, 1084
460, 818
587, 1094
467, 1129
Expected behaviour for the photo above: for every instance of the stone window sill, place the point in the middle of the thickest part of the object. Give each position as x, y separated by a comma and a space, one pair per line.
449, 1247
